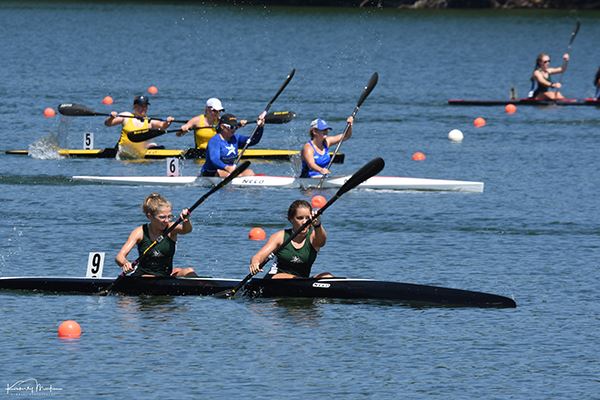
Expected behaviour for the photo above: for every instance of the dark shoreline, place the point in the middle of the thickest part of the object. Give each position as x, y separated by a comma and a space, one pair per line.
380, 4
431, 4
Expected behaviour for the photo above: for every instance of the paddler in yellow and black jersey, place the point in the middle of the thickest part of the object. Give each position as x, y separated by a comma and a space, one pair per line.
205, 125
132, 122
295, 260
159, 260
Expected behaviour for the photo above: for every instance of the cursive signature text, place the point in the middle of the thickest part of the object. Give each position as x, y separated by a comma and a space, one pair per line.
30, 386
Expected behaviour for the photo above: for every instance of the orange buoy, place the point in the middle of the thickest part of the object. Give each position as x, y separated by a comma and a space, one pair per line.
479, 122
49, 112
318, 201
107, 100
153, 90
418, 156
510, 109
257, 234
69, 330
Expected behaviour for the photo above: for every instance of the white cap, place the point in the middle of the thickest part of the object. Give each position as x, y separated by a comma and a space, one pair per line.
214, 103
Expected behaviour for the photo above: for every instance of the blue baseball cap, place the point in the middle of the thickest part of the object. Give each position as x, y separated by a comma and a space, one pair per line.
319, 124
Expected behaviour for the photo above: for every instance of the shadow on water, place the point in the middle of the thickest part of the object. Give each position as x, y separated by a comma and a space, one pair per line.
157, 307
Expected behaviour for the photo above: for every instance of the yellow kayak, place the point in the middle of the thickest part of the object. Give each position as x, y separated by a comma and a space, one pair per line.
154, 154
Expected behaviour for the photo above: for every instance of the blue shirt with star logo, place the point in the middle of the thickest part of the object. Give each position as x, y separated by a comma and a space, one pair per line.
221, 152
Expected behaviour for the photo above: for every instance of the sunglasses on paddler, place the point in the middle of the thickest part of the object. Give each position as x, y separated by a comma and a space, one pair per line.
229, 126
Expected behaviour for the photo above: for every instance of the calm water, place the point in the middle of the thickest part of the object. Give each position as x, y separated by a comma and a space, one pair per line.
532, 235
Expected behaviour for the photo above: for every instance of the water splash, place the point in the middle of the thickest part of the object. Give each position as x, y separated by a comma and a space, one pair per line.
296, 164
13, 248
45, 148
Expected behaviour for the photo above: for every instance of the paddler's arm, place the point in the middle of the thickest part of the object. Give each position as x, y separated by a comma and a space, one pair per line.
331, 140
161, 124
319, 235
186, 226
272, 244
564, 65
113, 119
135, 237
260, 123
188, 125
545, 82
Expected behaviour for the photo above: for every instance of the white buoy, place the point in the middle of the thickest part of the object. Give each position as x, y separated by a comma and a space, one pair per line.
455, 135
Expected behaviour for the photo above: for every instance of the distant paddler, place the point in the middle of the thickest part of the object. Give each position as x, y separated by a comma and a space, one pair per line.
315, 152
541, 81
141, 123
597, 84
222, 149
159, 260
205, 125
296, 258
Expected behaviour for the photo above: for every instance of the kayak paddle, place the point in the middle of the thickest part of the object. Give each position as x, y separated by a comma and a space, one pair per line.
366, 91
179, 220
369, 170
571, 40
78, 110
274, 117
285, 83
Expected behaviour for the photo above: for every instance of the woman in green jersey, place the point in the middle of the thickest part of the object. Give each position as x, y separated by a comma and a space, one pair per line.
295, 260
159, 261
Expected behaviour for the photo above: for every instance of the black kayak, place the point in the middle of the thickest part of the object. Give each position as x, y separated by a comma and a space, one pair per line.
526, 102
329, 288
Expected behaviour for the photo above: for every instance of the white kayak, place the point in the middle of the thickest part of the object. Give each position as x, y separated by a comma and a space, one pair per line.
376, 182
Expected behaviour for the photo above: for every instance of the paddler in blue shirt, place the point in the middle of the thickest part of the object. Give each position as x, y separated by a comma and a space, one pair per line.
315, 153
295, 260
141, 122
222, 149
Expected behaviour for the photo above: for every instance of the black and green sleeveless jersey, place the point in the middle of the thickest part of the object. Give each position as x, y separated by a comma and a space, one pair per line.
159, 261
296, 261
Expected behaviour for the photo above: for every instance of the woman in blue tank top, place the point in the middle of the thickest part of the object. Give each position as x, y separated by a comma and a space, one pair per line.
315, 153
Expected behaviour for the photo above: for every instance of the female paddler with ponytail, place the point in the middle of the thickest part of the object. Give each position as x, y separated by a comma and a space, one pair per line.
296, 259
542, 87
315, 153
159, 261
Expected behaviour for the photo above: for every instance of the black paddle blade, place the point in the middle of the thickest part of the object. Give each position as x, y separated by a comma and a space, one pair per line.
283, 86
368, 170
368, 89
75, 110
143, 135
574, 33
290, 76
279, 117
